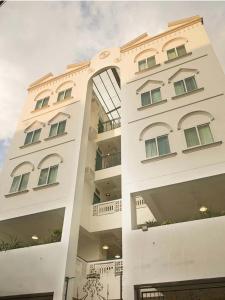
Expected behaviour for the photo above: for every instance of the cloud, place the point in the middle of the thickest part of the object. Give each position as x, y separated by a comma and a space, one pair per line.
42, 37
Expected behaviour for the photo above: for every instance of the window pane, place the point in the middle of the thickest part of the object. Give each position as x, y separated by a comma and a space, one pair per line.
24, 182
52, 174
142, 64
43, 176
151, 61
15, 184
150, 148
60, 96
163, 145
28, 138
36, 135
68, 93
45, 101
156, 95
53, 129
171, 53
181, 50
38, 104
61, 128
190, 84
179, 87
191, 137
205, 134
145, 99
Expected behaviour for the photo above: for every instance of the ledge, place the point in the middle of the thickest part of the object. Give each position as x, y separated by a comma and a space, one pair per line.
31, 144
39, 109
188, 93
44, 186
62, 101
178, 57
147, 69
55, 136
152, 104
16, 193
158, 157
200, 147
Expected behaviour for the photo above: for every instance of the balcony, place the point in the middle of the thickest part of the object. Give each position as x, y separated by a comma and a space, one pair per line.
109, 125
108, 161
108, 207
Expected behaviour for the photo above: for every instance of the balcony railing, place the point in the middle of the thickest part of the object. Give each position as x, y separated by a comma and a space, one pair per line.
114, 266
109, 125
106, 208
108, 161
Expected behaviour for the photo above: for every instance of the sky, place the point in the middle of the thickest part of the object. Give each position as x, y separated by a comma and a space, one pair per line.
41, 37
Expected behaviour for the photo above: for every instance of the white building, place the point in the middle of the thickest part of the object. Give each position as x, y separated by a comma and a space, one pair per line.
113, 187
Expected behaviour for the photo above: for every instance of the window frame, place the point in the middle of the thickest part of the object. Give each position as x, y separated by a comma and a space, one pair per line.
57, 130
157, 147
63, 92
198, 135
42, 102
146, 63
150, 96
32, 138
176, 52
185, 86
18, 190
47, 177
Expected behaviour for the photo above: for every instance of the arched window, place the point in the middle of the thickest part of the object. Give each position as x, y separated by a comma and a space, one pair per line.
146, 59
20, 175
64, 91
42, 99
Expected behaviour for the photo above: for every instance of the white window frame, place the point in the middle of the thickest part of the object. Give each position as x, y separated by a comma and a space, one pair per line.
185, 87
42, 101
47, 178
176, 51
20, 181
57, 131
64, 93
157, 148
146, 63
150, 92
199, 139
32, 137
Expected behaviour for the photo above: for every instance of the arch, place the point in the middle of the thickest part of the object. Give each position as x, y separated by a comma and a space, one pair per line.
34, 125
28, 163
64, 83
173, 40
167, 126
49, 156
197, 112
158, 82
144, 51
37, 97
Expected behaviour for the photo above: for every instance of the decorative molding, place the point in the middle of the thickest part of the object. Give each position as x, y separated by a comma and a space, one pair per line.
200, 147
187, 70
104, 54
145, 51
192, 113
27, 129
20, 165
16, 193
171, 154
44, 186
48, 156
158, 82
187, 93
173, 40
152, 104
38, 96
167, 126
64, 83
57, 115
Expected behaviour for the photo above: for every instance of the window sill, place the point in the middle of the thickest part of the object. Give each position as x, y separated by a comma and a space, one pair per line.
178, 57
196, 148
40, 109
62, 101
16, 193
55, 136
31, 144
40, 187
158, 157
147, 69
188, 93
152, 104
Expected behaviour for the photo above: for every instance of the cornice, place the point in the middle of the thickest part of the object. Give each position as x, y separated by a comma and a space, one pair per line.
158, 36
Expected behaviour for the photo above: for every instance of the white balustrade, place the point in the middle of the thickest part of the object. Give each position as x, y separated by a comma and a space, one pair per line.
102, 268
106, 208
140, 202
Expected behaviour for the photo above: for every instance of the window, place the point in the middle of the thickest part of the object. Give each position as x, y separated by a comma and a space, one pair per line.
19, 183
185, 86
200, 135
48, 175
42, 103
176, 52
146, 63
151, 97
157, 146
32, 137
57, 128
64, 94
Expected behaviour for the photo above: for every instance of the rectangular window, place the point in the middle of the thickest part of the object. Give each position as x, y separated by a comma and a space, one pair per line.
32, 137
184, 86
151, 97
64, 94
19, 183
146, 63
200, 135
157, 146
42, 103
48, 175
176, 52
57, 128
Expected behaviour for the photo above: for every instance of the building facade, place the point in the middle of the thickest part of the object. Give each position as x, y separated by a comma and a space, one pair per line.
113, 187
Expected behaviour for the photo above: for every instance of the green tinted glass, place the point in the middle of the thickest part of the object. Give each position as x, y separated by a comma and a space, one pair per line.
179, 87
191, 137
43, 177
145, 99
52, 174
156, 95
